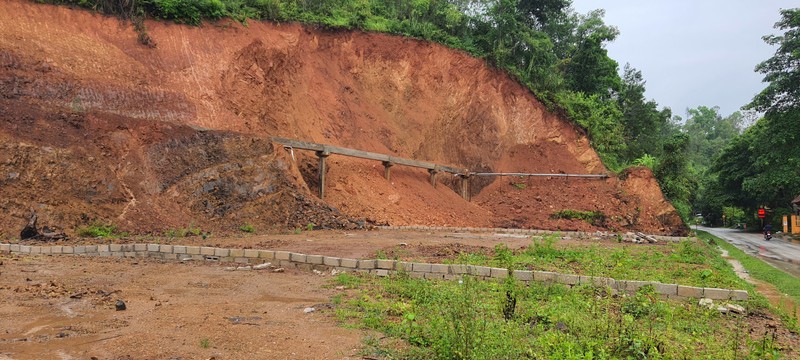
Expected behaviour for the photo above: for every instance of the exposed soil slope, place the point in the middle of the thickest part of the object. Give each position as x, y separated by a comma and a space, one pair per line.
94, 126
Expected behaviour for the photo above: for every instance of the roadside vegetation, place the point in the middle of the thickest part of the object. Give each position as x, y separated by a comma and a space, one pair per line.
759, 270
472, 319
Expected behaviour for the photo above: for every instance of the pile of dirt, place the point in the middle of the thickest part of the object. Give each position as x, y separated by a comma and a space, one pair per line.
97, 127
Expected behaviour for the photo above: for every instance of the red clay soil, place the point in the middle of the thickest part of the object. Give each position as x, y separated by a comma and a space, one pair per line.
95, 127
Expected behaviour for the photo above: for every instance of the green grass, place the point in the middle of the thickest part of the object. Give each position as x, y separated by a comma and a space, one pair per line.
690, 262
472, 319
101, 230
591, 217
758, 269
248, 228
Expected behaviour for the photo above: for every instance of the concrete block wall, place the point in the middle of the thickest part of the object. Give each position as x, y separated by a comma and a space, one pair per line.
377, 267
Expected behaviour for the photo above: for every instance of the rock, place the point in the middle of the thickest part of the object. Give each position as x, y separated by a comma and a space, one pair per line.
340, 287
722, 309
262, 266
706, 302
317, 272
560, 326
244, 268
229, 268
309, 310
120, 305
278, 270
736, 308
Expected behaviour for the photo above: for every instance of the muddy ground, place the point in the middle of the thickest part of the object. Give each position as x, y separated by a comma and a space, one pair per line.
63, 307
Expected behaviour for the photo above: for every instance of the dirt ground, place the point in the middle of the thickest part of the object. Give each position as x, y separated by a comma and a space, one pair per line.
63, 307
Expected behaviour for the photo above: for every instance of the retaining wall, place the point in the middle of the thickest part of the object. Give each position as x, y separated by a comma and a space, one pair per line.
378, 267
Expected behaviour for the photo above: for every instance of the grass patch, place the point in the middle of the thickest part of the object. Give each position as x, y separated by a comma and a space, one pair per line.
248, 228
101, 230
596, 218
758, 269
690, 262
472, 319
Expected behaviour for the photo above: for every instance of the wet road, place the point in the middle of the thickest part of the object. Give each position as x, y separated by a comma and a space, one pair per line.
780, 253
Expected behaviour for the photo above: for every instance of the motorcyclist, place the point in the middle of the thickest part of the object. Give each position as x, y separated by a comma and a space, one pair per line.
768, 231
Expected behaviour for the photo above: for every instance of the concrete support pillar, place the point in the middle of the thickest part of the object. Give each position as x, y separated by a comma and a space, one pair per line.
386, 172
433, 173
465, 185
322, 168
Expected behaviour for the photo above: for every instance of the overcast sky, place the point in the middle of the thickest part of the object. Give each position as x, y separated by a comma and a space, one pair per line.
693, 53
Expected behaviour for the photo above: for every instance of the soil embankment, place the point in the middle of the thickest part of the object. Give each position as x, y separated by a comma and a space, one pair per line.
96, 127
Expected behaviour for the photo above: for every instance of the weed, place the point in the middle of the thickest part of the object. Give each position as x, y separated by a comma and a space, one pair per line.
99, 229
348, 281
205, 343
310, 226
248, 228
298, 231
596, 218
381, 254
519, 186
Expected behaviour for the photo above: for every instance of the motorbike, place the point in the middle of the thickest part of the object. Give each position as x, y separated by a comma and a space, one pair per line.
768, 235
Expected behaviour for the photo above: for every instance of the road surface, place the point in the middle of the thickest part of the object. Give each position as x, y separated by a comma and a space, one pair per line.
782, 254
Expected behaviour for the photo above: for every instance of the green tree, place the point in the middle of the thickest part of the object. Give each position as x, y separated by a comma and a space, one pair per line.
781, 71
645, 126
678, 181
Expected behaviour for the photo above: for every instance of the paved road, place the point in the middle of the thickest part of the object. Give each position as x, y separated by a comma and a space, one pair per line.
779, 253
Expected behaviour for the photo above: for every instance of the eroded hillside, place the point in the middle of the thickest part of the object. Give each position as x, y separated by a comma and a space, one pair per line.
97, 127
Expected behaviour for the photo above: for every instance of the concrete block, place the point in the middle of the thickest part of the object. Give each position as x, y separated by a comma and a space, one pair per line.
266, 254
523, 275
179, 249
25, 249
544, 276
440, 268
91, 248
80, 249
304, 267
57, 249
241, 260
129, 254
459, 269
193, 250
717, 294
297, 257
690, 291
237, 253
67, 250
152, 247
45, 250
250, 253
385, 264
331, 261
209, 251
484, 271
634, 285
114, 247
134, 247
166, 249
349, 263
283, 255
36, 249
103, 248
416, 275
314, 259
421, 267
381, 272
222, 252
739, 295
210, 258
666, 289
5, 247
499, 273
169, 256
366, 264
104, 253
432, 276
567, 279
198, 257
403, 266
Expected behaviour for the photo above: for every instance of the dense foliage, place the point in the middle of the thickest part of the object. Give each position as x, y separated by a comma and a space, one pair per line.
560, 55
761, 168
